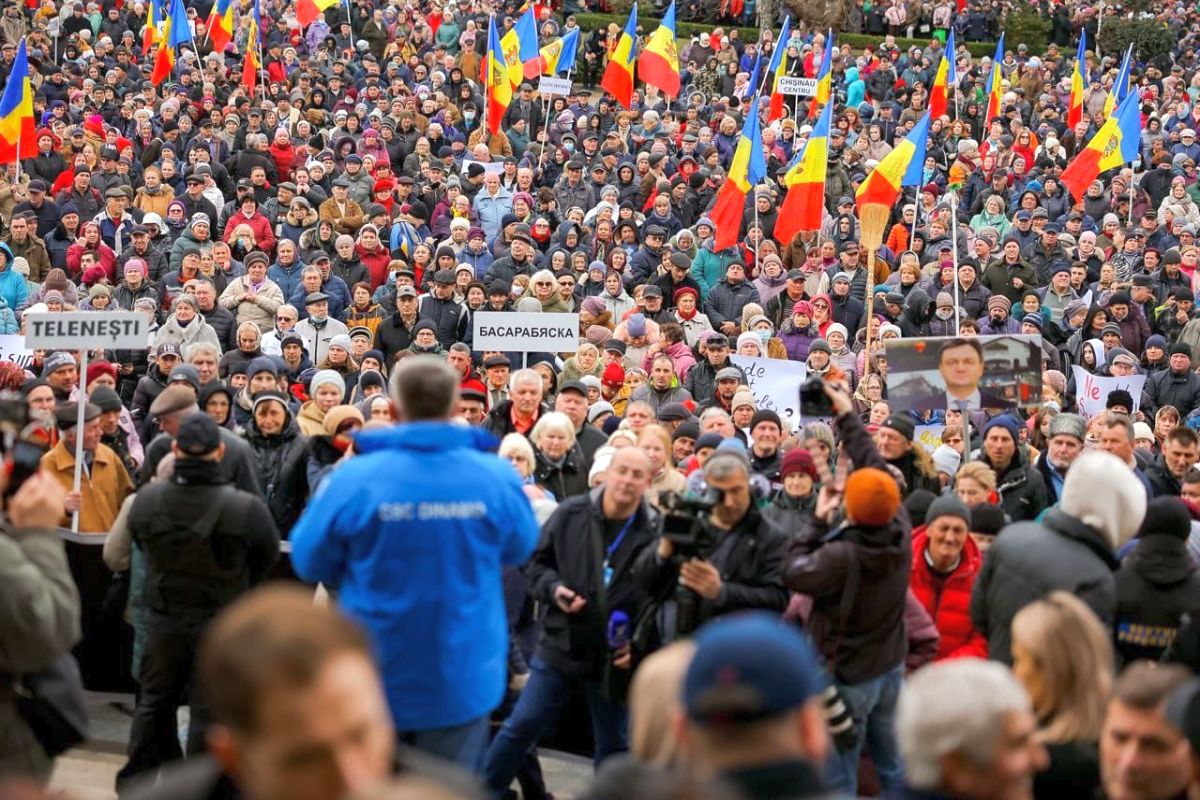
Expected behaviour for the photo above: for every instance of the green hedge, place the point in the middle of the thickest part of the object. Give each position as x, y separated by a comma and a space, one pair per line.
686, 30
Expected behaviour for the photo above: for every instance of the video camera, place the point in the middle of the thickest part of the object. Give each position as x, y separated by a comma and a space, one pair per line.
22, 458
687, 527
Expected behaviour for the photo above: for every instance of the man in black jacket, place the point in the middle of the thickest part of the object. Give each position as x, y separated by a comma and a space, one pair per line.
440, 308
743, 571
205, 543
583, 572
701, 381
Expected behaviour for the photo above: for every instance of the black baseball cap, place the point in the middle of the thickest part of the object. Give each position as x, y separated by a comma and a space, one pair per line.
198, 435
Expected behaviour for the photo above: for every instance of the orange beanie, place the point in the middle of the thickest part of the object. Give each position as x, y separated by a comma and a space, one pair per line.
872, 497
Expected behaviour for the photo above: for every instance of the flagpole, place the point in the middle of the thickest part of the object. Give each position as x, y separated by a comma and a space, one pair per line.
1130, 222
350, 22
953, 198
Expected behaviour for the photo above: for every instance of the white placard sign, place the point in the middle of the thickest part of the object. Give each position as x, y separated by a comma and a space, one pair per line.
560, 86
802, 87
775, 384
488, 166
517, 331
13, 348
75, 330
1092, 390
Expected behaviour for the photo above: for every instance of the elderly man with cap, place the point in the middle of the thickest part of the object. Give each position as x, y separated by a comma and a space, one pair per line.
1176, 386
1065, 441
172, 405
205, 543
253, 297
339, 210
23, 241
895, 442
572, 400
945, 561
701, 381
318, 328
104, 481
754, 718
967, 731
439, 307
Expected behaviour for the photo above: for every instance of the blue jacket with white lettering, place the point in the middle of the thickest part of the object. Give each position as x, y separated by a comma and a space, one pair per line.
413, 532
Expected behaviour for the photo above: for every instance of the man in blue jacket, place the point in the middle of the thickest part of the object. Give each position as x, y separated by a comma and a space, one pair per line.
413, 532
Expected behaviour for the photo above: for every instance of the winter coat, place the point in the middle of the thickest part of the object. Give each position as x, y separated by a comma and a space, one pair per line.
280, 463
261, 310
726, 300
1157, 584
797, 341
1022, 490
1033, 559
398, 530
1166, 388
708, 268
104, 485
563, 480
197, 330
867, 639
948, 598
790, 514
8, 320
39, 615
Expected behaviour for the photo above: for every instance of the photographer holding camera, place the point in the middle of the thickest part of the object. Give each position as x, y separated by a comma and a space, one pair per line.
732, 560
856, 572
39, 611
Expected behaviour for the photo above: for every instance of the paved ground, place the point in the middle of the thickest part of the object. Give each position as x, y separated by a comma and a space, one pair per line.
87, 773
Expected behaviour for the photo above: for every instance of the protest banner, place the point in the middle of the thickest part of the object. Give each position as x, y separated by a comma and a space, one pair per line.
996, 373
775, 384
13, 348
1091, 391
516, 331
929, 437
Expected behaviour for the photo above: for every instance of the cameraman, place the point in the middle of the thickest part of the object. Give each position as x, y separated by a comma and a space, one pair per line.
856, 573
39, 611
743, 570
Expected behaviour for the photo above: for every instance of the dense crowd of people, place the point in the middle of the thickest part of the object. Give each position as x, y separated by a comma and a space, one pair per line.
739, 603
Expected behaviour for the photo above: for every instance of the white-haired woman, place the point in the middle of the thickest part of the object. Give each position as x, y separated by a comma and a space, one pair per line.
559, 465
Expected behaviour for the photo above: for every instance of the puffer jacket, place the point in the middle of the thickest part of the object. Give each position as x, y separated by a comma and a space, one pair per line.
281, 462
1033, 559
947, 599
1157, 585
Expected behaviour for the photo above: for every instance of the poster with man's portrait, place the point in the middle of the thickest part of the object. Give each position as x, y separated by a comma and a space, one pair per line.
993, 373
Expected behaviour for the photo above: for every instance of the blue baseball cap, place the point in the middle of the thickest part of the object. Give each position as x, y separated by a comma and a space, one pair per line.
749, 667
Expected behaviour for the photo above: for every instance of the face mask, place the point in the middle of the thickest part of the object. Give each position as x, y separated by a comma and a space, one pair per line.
569, 147
469, 116
764, 337
945, 313
517, 291
318, 319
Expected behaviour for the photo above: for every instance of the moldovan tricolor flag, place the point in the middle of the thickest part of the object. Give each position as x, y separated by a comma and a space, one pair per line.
901, 167
618, 75
1114, 145
805, 183
558, 57
777, 69
307, 11
994, 86
1078, 82
17, 132
747, 169
947, 76
824, 77
1120, 86
659, 64
220, 25
499, 88
520, 48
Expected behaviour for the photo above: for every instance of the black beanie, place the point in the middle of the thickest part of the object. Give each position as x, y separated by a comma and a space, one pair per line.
987, 518
765, 415
918, 503
1181, 349
1119, 397
1166, 516
902, 424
